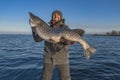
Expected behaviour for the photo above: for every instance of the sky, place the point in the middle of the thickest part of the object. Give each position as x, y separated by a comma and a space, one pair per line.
94, 16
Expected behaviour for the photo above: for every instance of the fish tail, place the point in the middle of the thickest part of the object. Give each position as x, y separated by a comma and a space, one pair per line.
87, 54
89, 51
92, 50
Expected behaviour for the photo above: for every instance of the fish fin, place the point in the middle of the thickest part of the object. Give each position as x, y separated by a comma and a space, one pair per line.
87, 54
79, 31
89, 51
92, 50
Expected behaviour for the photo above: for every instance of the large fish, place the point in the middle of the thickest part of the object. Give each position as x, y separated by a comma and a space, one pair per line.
57, 35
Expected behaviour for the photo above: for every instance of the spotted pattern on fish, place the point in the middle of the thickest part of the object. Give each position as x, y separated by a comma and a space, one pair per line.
54, 35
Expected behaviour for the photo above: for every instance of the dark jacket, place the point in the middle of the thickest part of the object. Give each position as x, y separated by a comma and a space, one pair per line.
56, 53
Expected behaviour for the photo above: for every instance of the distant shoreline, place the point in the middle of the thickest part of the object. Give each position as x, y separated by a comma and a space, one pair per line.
103, 35
112, 33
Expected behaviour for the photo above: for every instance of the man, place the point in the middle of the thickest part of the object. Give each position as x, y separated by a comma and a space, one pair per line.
56, 54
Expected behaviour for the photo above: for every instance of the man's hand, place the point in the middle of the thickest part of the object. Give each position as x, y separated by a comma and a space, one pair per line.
66, 42
69, 42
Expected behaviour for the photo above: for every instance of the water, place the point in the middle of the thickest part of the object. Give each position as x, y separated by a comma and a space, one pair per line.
21, 59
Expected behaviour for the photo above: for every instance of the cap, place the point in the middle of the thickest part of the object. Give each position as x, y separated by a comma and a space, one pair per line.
58, 12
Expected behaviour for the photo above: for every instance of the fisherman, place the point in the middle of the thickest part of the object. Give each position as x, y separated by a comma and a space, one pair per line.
55, 54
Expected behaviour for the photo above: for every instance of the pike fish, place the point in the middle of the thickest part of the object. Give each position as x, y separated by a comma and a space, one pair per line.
55, 35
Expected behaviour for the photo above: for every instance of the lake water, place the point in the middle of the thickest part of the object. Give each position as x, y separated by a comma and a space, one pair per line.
22, 59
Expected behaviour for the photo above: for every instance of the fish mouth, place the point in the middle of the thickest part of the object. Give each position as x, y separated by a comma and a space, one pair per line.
32, 19
31, 15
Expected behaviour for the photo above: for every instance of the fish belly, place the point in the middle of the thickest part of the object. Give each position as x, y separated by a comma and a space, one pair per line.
48, 35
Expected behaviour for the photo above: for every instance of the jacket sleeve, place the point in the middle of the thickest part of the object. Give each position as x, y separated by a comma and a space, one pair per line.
35, 35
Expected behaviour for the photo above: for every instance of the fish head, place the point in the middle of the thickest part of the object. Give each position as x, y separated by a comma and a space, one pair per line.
34, 21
